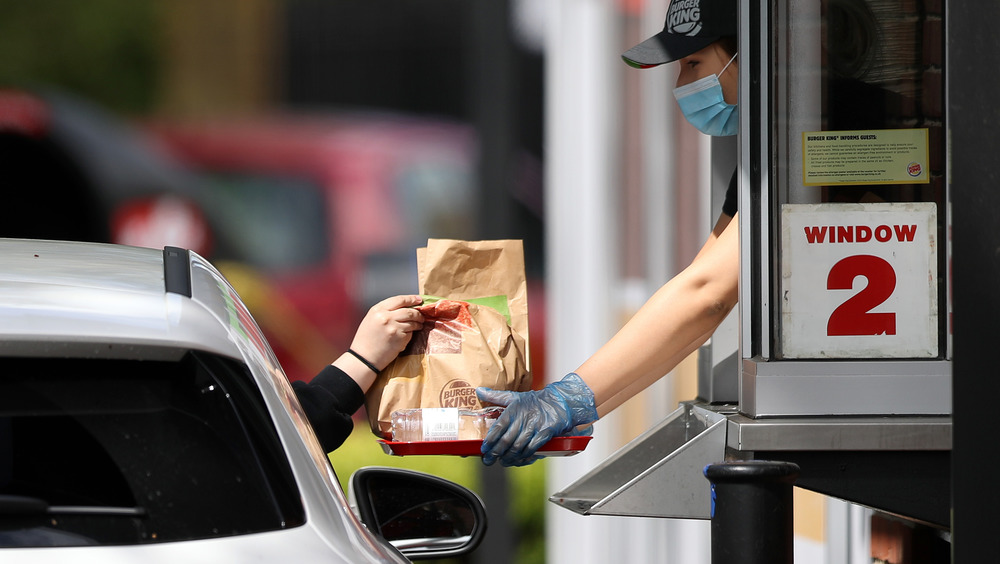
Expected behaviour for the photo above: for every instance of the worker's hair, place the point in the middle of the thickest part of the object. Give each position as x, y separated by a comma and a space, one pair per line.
730, 44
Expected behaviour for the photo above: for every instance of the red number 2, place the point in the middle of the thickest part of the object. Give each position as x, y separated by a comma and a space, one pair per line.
852, 317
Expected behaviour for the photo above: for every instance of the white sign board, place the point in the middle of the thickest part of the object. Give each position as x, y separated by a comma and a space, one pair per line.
859, 281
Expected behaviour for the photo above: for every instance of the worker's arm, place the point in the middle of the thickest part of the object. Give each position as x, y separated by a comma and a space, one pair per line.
672, 324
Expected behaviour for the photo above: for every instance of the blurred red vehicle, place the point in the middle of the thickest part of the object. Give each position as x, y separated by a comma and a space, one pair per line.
314, 218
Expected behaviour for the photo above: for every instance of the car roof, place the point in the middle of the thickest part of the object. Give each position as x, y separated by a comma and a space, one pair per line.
91, 299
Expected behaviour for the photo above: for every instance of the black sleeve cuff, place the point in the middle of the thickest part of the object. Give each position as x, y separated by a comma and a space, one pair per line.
730, 205
329, 401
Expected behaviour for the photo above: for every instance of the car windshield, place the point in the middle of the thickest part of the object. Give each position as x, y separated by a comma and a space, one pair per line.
100, 451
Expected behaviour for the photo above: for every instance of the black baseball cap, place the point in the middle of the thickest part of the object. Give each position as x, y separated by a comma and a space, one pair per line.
691, 25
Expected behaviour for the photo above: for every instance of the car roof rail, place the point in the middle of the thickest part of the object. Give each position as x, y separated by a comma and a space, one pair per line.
177, 270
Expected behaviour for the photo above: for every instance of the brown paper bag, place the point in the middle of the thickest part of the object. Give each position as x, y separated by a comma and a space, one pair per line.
475, 333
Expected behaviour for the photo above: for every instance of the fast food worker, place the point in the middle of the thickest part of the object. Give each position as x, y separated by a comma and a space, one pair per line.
700, 35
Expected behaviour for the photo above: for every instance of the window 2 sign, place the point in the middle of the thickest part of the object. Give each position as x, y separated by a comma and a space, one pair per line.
859, 281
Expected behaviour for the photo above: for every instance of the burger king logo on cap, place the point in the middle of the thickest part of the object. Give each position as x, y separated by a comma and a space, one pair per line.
458, 393
684, 17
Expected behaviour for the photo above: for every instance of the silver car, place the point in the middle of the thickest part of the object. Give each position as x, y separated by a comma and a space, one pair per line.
144, 418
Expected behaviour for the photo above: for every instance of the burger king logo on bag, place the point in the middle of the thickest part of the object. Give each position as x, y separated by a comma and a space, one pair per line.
458, 393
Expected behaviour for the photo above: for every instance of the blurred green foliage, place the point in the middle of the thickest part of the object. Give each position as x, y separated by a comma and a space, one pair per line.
527, 511
104, 50
526, 485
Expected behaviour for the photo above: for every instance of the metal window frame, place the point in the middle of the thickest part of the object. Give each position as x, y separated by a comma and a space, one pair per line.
773, 387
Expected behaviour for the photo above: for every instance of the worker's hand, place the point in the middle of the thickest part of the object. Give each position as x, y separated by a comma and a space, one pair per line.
532, 418
386, 329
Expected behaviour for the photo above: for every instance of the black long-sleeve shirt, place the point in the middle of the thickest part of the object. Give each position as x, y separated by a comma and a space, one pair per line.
329, 400
729, 206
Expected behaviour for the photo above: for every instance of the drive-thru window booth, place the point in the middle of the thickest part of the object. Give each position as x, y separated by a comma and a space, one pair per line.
844, 209
844, 317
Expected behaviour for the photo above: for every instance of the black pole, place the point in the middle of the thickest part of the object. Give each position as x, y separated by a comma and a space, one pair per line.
491, 105
494, 110
752, 511
973, 123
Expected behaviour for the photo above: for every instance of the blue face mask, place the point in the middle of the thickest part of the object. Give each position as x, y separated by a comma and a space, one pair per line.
705, 107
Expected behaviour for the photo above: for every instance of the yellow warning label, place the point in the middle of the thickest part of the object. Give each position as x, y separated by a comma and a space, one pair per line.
875, 156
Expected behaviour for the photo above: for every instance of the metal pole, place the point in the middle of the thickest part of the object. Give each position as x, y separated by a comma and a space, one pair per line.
973, 122
493, 107
752, 511
582, 245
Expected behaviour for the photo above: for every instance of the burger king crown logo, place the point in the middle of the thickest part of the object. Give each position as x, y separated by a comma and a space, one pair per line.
684, 17
458, 393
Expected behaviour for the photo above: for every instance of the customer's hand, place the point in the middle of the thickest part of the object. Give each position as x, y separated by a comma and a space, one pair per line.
387, 328
532, 418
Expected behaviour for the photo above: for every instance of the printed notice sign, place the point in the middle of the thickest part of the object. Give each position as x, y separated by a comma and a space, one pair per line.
859, 280
875, 156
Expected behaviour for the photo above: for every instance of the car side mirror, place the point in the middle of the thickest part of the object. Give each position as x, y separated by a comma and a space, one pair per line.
421, 515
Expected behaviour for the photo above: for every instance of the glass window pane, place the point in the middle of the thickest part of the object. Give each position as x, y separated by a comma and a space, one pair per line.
858, 119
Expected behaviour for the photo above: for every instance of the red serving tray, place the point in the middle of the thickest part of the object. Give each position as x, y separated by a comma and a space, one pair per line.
558, 446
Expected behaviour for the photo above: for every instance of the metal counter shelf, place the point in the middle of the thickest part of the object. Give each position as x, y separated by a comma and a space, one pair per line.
900, 465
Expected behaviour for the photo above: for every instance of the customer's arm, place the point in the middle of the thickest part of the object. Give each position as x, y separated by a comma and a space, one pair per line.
331, 398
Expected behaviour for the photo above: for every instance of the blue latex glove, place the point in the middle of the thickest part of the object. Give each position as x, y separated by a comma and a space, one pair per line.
532, 418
